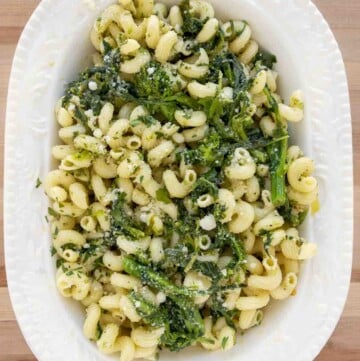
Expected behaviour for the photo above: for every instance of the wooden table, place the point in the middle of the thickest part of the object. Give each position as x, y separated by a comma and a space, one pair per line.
344, 18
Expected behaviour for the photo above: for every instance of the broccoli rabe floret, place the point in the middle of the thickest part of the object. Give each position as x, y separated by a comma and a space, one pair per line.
153, 81
109, 87
179, 316
211, 152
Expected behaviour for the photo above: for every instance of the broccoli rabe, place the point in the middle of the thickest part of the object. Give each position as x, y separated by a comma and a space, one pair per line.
277, 155
225, 238
177, 257
179, 316
227, 65
217, 110
153, 81
265, 58
109, 87
206, 153
277, 152
218, 310
293, 213
152, 87
191, 24
149, 312
210, 152
241, 121
123, 223
185, 324
154, 279
209, 269
228, 114
208, 183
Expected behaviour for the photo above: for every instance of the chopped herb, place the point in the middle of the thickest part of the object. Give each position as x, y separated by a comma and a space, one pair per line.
53, 251
52, 213
162, 195
38, 183
148, 120
224, 341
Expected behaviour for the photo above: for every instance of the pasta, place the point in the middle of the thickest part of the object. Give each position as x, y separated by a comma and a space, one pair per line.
176, 201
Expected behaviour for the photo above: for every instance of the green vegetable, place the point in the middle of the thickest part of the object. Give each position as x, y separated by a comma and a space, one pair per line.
154, 278
221, 111
218, 310
241, 122
122, 222
191, 25
206, 153
293, 213
213, 150
265, 58
216, 110
224, 237
110, 88
149, 312
180, 317
229, 66
176, 258
208, 183
185, 324
209, 269
153, 82
259, 156
277, 154
148, 120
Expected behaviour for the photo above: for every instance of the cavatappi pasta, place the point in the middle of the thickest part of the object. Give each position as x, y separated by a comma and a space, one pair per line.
175, 205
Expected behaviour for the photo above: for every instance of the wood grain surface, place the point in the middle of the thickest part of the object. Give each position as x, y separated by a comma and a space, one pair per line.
344, 19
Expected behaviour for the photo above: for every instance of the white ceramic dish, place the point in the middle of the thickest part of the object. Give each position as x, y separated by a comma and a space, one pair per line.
53, 48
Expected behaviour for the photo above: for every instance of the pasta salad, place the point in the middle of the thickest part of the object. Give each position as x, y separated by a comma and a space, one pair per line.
176, 201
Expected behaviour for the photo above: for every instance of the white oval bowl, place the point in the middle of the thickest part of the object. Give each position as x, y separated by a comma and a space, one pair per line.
53, 48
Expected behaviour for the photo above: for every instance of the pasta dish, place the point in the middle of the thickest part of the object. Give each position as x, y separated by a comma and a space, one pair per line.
177, 198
